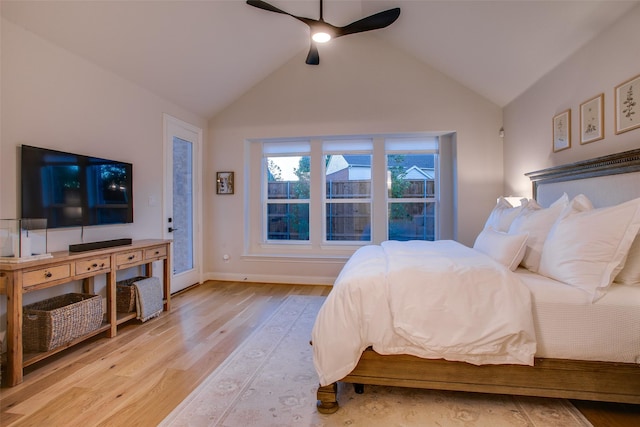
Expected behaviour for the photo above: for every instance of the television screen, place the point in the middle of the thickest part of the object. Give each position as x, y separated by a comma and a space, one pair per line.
74, 190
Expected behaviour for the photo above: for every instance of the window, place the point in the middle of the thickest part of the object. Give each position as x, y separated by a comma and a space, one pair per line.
325, 197
411, 186
347, 196
287, 192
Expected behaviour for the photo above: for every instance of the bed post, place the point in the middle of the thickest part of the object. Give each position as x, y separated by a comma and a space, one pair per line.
328, 398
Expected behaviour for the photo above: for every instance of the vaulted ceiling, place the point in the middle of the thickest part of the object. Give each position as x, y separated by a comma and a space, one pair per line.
203, 55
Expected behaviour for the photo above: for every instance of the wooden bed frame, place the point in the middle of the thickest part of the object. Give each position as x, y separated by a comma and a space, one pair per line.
558, 378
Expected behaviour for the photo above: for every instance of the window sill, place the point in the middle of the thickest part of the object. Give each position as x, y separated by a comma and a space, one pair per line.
296, 257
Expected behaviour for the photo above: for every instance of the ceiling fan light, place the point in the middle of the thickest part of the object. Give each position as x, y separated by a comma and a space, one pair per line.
321, 37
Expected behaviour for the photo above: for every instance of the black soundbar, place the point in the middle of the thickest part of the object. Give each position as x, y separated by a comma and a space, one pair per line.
83, 247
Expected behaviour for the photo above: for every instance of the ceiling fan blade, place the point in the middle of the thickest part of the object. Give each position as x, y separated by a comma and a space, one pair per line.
373, 22
266, 6
313, 57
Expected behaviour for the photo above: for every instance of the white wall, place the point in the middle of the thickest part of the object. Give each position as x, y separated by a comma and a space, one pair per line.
54, 99
362, 85
598, 67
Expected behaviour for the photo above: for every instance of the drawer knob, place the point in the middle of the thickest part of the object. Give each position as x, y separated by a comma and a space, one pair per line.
131, 257
47, 274
94, 265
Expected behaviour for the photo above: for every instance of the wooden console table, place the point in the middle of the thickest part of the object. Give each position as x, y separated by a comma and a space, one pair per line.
17, 279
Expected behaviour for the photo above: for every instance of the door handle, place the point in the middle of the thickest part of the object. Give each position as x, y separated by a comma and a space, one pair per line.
171, 229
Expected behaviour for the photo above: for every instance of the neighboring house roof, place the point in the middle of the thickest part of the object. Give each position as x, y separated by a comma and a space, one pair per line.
358, 159
422, 162
417, 167
415, 173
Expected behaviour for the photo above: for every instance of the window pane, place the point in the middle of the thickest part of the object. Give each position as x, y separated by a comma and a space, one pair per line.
412, 221
348, 221
288, 221
288, 177
411, 175
183, 238
348, 176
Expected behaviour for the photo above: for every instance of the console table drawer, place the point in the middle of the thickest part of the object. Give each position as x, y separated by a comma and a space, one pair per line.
128, 258
45, 275
151, 253
92, 265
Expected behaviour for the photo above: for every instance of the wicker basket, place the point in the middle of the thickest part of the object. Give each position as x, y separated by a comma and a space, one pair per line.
126, 295
56, 321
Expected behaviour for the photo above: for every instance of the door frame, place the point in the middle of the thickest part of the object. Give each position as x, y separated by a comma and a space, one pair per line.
174, 126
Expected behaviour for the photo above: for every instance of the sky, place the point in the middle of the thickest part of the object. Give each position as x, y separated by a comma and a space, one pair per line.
287, 164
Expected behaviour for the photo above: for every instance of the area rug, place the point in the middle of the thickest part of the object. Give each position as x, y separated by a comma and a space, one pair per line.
270, 380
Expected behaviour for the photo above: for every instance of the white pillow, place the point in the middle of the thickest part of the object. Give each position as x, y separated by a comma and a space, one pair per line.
507, 249
536, 222
586, 248
503, 214
630, 273
580, 203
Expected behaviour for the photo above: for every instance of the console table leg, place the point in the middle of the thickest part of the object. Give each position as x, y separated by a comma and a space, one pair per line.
112, 315
166, 279
14, 329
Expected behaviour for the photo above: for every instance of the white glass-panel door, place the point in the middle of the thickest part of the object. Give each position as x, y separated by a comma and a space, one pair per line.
182, 201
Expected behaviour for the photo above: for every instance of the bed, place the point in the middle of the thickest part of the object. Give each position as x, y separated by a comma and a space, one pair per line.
587, 356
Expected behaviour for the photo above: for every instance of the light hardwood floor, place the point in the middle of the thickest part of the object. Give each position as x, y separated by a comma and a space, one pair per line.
138, 377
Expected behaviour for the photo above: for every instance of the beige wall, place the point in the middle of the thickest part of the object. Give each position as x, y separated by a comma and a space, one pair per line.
366, 86
597, 68
54, 99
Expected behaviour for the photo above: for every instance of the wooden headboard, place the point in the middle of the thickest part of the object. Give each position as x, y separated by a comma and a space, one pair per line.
606, 180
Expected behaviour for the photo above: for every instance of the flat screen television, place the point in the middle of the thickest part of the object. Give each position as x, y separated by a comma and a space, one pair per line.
71, 190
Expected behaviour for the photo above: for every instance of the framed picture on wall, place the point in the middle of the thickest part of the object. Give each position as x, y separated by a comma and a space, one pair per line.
562, 131
592, 119
627, 110
224, 183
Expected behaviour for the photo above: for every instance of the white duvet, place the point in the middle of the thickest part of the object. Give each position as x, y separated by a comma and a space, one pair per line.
437, 300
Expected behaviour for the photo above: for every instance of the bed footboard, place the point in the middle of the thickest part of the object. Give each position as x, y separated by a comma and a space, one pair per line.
557, 378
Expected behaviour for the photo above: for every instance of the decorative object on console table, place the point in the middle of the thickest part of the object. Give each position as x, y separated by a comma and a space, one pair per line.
592, 120
627, 110
224, 183
562, 131
23, 239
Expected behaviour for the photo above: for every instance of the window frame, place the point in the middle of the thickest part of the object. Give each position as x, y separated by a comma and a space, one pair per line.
359, 146
297, 150
436, 190
317, 248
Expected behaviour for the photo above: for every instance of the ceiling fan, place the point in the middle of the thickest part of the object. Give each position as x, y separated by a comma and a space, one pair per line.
322, 32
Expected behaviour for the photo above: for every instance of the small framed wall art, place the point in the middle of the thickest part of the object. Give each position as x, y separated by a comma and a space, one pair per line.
224, 183
627, 109
562, 131
592, 119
